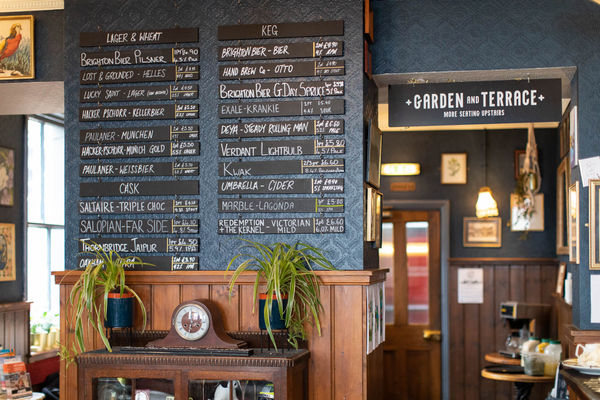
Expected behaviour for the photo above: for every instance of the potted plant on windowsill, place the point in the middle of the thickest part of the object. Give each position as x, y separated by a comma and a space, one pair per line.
291, 287
100, 298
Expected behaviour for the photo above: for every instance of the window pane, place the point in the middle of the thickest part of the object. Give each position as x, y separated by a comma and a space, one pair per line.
57, 263
54, 161
34, 168
417, 255
386, 260
38, 276
57, 249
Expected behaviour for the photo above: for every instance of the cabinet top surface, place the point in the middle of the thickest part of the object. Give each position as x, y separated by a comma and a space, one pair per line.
260, 358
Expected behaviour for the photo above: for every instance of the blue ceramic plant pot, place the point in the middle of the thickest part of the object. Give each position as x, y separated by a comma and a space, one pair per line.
119, 311
276, 321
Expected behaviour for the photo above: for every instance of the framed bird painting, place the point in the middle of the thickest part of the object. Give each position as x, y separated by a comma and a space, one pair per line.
16, 47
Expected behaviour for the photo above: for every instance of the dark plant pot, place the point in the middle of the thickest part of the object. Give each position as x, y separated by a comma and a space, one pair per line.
276, 321
119, 312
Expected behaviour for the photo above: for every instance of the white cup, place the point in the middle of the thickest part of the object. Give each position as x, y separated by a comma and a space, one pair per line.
589, 355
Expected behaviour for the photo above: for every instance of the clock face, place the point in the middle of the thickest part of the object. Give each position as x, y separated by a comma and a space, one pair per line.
191, 322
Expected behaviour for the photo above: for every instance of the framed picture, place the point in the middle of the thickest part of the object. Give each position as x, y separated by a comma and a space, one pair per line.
521, 216
374, 138
519, 162
573, 153
574, 223
368, 61
594, 224
562, 188
564, 135
378, 214
369, 214
482, 232
7, 252
454, 168
560, 279
7, 176
16, 47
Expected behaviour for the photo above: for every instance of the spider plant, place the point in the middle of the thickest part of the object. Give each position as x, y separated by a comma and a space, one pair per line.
89, 296
285, 270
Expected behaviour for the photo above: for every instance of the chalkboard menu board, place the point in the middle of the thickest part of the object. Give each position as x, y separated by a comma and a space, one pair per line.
319, 49
127, 206
139, 134
255, 90
150, 56
123, 206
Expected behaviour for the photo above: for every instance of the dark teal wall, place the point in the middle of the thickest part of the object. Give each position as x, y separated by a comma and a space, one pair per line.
426, 148
433, 35
49, 56
12, 136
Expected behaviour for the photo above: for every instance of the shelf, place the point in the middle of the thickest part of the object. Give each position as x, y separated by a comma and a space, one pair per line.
352, 278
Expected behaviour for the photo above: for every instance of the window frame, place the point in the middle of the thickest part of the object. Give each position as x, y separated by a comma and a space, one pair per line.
56, 120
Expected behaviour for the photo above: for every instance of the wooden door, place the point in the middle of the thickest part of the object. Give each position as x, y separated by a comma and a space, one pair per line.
412, 354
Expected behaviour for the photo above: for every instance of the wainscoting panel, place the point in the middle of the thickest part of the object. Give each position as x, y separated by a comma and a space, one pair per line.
477, 329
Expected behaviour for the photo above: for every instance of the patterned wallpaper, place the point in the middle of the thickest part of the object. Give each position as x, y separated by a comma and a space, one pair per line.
435, 35
114, 15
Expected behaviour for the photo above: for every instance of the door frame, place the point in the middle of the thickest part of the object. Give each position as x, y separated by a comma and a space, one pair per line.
443, 206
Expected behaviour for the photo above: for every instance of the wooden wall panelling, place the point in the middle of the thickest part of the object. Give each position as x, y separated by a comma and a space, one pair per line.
145, 293
249, 312
164, 300
471, 350
338, 365
457, 373
230, 307
477, 329
487, 316
321, 349
517, 283
14, 327
194, 292
501, 285
9, 329
348, 342
68, 373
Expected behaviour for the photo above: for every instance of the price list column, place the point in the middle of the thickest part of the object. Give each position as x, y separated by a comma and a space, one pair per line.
281, 140
138, 97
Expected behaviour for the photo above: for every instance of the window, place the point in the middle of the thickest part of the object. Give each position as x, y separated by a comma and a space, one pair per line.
45, 212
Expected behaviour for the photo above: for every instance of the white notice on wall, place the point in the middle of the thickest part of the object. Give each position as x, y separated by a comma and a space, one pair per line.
595, 298
590, 169
470, 285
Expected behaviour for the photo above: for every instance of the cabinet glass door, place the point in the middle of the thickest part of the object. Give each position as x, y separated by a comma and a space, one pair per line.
229, 390
138, 389
112, 389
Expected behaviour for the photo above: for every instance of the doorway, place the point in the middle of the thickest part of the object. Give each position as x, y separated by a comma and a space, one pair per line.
412, 351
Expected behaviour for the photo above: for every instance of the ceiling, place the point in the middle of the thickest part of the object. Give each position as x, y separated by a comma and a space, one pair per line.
565, 74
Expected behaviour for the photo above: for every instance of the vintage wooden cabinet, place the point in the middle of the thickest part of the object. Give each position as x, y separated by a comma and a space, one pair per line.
339, 366
119, 375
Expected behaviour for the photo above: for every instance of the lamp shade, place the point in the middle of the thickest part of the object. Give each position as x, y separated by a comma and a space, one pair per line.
486, 205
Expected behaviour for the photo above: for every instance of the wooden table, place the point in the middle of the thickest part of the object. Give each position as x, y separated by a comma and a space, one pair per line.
497, 358
523, 383
576, 382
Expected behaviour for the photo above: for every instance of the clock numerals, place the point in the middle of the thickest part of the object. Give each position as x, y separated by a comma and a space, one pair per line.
191, 322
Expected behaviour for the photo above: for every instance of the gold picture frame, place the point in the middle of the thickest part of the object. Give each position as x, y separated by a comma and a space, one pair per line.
574, 222
594, 224
562, 189
17, 59
7, 252
482, 232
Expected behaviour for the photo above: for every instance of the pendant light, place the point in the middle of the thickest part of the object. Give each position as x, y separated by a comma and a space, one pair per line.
486, 206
